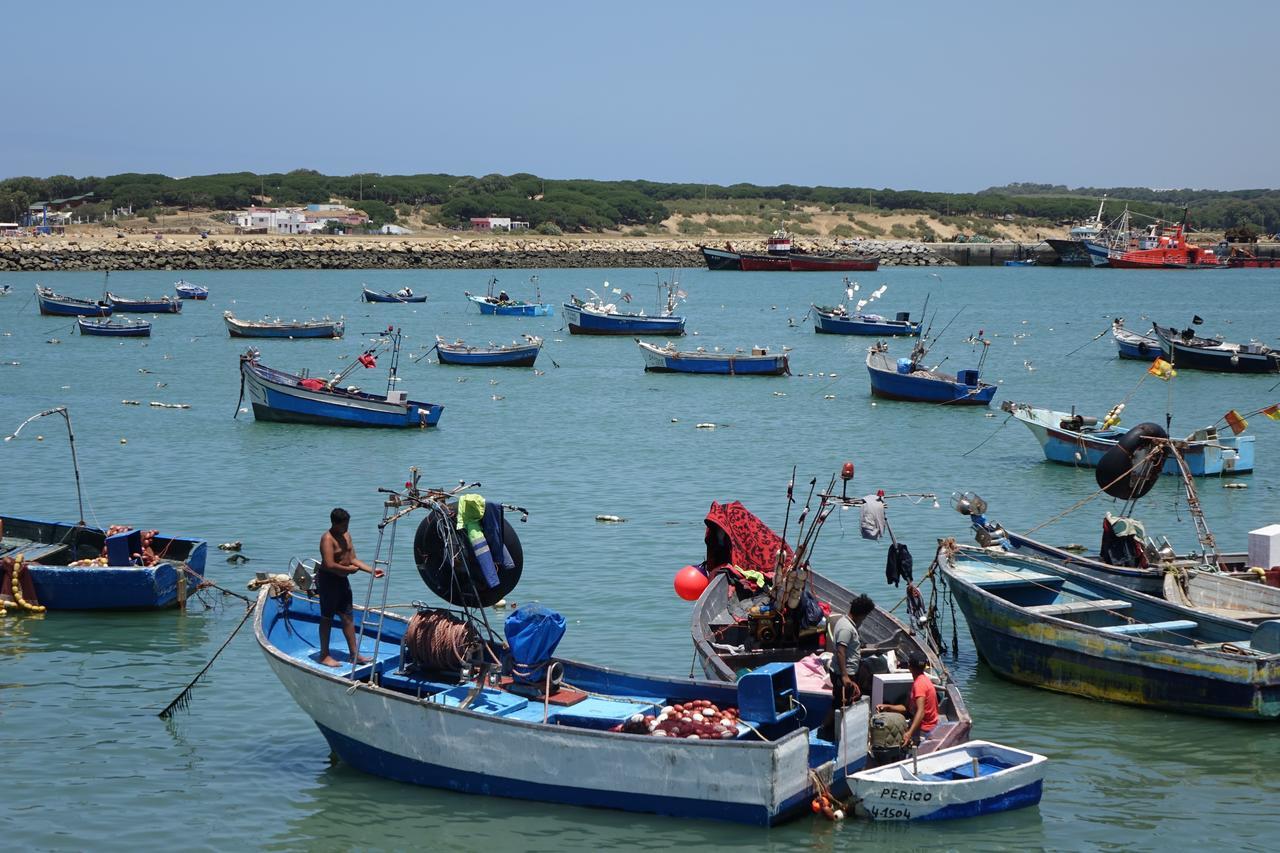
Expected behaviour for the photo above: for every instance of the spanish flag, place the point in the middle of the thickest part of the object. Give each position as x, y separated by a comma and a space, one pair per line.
1272, 411
1237, 423
1162, 369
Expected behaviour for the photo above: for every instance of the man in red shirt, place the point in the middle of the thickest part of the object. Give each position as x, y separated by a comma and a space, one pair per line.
923, 703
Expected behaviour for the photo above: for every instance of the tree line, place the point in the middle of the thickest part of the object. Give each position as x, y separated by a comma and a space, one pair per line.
585, 205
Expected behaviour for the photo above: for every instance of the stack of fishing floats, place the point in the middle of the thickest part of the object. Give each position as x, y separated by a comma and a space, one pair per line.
145, 557
696, 720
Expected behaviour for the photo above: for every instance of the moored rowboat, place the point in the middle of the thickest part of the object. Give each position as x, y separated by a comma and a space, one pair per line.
114, 328
669, 360
325, 328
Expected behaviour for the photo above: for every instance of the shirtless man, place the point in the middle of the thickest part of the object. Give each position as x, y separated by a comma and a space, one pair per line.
337, 563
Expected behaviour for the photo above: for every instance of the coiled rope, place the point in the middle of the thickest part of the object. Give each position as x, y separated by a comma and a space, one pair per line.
437, 640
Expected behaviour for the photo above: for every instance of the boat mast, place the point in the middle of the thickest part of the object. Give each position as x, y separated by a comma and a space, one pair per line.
71, 437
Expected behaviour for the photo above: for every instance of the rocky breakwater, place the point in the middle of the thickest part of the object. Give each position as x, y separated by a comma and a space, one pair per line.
892, 253
182, 252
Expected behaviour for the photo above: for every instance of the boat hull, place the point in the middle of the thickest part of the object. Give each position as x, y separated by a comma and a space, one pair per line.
921, 387
1070, 252
825, 323
764, 263
288, 331
1220, 360
1068, 657
479, 357
584, 322
511, 309
401, 737
1099, 254
1221, 455
370, 296
658, 360
830, 263
926, 788
109, 329
1135, 346
719, 259
197, 292
120, 305
276, 397
54, 305
62, 587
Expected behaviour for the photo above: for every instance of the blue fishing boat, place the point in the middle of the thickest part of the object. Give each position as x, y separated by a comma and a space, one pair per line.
837, 321
974, 778
404, 294
908, 379
1024, 262
78, 567
1133, 345
493, 355
1042, 624
759, 362
1185, 349
114, 328
278, 328
1072, 439
596, 316
502, 305
504, 716
163, 305
289, 398
57, 305
187, 290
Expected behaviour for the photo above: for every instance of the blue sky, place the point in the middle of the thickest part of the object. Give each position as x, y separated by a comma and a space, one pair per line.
932, 96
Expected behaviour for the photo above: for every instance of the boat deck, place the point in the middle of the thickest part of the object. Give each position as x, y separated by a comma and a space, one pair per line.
1042, 594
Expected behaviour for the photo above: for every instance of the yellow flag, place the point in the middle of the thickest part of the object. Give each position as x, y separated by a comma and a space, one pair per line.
1162, 369
1237, 423
1272, 411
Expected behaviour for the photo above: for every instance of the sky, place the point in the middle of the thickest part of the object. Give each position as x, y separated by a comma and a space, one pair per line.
936, 96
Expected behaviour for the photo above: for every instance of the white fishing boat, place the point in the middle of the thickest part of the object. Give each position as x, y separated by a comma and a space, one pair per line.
974, 778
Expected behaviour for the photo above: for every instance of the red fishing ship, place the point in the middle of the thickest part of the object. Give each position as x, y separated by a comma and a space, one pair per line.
1160, 250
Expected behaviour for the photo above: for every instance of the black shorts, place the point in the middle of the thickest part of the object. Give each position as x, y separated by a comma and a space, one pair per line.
335, 594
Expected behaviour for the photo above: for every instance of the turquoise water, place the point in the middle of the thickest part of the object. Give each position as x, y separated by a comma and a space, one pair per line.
88, 763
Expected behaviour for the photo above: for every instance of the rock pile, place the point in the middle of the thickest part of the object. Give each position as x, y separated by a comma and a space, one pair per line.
320, 252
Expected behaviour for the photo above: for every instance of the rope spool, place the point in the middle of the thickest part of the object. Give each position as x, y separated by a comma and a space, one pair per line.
440, 641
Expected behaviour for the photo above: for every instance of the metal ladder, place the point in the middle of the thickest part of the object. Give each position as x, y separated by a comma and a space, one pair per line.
1203, 533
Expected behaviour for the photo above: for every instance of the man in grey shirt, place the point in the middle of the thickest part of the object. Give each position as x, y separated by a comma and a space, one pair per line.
845, 644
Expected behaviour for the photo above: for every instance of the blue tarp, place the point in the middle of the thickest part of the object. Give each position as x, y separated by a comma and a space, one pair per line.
533, 632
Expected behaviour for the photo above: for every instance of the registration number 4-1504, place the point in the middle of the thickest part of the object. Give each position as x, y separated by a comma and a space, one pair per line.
890, 813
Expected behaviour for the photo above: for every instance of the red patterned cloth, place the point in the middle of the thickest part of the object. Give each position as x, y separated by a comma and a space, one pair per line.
754, 545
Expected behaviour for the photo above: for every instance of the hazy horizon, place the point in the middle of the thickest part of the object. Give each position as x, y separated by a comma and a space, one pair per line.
937, 98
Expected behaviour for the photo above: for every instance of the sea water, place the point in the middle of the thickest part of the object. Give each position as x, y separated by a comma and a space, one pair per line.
87, 764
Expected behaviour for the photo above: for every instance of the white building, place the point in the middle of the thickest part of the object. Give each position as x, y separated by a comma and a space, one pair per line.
497, 223
272, 220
